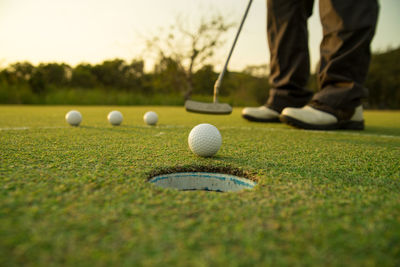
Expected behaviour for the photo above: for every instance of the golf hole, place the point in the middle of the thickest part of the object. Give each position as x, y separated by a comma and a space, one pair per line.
206, 181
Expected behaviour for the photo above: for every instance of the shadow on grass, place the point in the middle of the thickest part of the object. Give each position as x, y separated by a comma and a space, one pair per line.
121, 128
382, 130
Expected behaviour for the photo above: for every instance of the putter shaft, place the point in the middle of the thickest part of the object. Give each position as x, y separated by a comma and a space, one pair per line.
218, 83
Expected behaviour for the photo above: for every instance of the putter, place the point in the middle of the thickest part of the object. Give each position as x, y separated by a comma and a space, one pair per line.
216, 107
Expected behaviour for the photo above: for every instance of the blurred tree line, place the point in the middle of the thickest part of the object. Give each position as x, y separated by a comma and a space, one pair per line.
126, 83
120, 82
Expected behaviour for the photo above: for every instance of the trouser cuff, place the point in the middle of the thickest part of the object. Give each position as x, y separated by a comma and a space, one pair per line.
282, 98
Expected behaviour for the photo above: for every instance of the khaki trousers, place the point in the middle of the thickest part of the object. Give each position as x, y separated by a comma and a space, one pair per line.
348, 29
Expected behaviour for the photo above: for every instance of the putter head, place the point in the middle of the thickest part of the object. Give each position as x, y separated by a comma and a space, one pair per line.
208, 108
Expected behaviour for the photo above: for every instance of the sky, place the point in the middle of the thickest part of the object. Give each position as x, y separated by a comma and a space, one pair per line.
91, 31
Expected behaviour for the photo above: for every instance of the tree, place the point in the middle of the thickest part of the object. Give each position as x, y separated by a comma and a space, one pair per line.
135, 76
110, 73
82, 76
204, 79
383, 80
190, 48
49, 74
22, 71
168, 77
118, 74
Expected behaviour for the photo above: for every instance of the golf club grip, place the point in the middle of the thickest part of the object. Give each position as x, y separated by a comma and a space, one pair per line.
221, 75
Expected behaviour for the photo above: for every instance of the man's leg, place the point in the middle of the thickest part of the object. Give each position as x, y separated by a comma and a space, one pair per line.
348, 29
289, 63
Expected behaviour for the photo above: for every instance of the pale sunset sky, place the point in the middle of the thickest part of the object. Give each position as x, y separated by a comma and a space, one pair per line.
76, 31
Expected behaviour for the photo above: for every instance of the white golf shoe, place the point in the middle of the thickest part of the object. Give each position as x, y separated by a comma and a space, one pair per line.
313, 119
260, 114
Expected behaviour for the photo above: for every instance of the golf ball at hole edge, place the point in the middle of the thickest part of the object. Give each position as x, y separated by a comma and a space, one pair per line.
115, 117
205, 140
73, 117
150, 118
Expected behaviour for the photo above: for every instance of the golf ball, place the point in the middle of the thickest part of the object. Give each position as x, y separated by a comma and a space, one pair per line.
150, 118
73, 117
115, 117
205, 140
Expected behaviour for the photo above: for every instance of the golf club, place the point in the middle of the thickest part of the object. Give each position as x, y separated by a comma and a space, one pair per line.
216, 107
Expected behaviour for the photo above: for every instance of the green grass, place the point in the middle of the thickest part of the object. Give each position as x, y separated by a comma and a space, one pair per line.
78, 196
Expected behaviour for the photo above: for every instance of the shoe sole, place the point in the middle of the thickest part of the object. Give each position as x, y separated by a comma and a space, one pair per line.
344, 125
250, 118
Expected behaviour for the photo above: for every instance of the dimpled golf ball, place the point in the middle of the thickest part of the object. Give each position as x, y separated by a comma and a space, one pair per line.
73, 117
205, 140
115, 118
150, 118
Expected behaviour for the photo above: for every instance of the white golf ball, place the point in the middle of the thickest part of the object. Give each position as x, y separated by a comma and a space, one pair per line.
205, 140
115, 117
73, 117
150, 118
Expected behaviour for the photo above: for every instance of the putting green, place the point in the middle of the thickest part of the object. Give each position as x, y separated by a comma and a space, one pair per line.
79, 195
